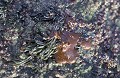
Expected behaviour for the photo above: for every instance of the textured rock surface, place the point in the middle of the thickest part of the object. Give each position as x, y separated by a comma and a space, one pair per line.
27, 49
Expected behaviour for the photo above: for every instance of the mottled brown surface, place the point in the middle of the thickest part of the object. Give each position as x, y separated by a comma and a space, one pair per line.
66, 52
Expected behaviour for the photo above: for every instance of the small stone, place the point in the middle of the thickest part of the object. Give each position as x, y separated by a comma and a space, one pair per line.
117, 22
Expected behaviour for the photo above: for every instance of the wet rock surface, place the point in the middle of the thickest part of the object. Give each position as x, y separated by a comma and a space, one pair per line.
28, 42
